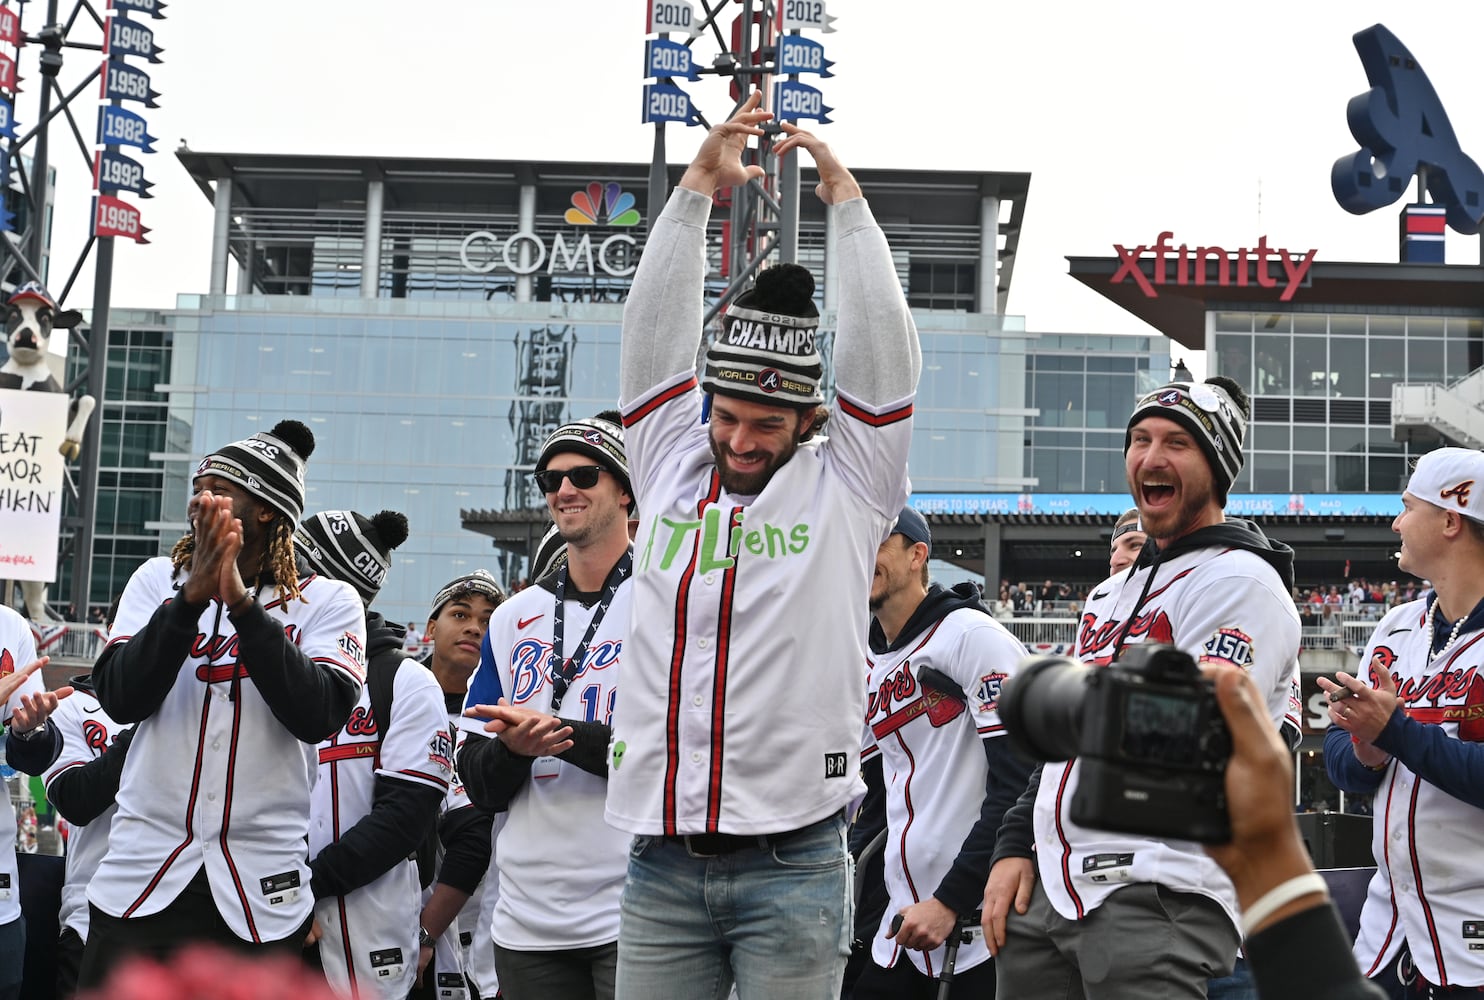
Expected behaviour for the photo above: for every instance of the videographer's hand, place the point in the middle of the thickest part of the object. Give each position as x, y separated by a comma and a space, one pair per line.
1010, 882
1265, 850
924, 925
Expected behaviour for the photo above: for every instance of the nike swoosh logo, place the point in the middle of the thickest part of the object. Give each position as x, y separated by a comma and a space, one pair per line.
1395, 631
1099, 597
91, 711
521, 623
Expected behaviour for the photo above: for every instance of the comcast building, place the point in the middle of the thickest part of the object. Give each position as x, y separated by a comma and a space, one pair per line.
433, 320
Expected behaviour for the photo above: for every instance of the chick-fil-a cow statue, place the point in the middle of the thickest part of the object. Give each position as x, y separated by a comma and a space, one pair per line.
30, 317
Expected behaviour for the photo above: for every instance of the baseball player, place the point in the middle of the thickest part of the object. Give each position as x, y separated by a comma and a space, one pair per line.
456, 953
233, 665
737, 739
82, 785
32, 743
382, 778
936, 664
1117, 914
1410, 732
547, 693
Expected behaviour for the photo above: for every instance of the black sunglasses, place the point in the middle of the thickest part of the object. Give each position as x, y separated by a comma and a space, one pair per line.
584, 477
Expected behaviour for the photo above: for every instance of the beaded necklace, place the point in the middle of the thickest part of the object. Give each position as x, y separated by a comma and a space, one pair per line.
1432, 630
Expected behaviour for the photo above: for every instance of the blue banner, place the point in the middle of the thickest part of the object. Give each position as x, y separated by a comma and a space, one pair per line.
1112, 504
7, 219
663, 58
793, 101
125, 38
7, 119
122, 82
118, 127
797, 54
116, 172
154, 8
664, 102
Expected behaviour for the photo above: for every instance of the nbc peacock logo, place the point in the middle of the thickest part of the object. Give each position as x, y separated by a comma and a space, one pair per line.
609, 203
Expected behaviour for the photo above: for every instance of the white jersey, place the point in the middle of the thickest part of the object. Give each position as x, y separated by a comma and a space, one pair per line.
212, 778
749, 621
369, 942
932, 761
87, 733
17, 650
1429, 887
561, 865
1222, 606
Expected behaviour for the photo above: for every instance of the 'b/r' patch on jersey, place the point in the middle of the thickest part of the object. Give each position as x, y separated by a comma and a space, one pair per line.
1228, 645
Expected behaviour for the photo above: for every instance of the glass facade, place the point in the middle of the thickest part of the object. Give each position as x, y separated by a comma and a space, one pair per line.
1321, 386
1084, 387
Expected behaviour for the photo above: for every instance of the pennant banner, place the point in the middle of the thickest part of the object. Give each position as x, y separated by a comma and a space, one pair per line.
7, 119
663, 58
7, 218
806, 14
794, 101
666, 103
10, 26
7, 73
125, 38
113, 171
672, 15
122, 82
797, 54
119, 127
154, 8
115, 217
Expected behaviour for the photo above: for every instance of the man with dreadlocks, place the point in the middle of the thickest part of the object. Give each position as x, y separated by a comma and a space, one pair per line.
233, 665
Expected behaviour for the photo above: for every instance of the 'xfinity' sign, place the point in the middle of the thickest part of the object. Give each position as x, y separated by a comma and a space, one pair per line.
483, 251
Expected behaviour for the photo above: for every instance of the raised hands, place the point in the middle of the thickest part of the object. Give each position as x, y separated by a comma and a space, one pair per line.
218, 544
30, 710
835, 182
718, 163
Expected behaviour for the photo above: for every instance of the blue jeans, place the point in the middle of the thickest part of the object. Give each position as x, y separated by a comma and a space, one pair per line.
12, 957
775, 920
1237, 986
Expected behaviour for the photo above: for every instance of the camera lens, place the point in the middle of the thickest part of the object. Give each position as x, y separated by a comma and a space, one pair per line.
1042, 706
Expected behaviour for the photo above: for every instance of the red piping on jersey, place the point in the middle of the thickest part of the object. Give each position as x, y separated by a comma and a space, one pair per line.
677, 664
874, 419
719, 682
277, 602
1432, 928
1390, 883
645, 409
190, 809
1066, 846
350, 963
227, 820
349, 751
902, 847
425, 777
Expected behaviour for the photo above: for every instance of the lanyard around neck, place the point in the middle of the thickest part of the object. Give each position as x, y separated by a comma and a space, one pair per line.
563, 670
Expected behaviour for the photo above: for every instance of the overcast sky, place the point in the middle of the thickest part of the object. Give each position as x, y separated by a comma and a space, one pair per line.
1218, 122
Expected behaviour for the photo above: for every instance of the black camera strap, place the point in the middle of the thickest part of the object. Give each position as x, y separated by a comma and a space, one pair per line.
1143, 596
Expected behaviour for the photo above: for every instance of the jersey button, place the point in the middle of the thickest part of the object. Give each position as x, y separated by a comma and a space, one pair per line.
701, 642
216, 744
696, 757
211, 796
699, 701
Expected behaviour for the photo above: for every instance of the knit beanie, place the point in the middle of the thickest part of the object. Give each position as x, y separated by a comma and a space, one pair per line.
597, 438
766, 349
551, 553
1214, 411
269, 465
477, 582
344, 545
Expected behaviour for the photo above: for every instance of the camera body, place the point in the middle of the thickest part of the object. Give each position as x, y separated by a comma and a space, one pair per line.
1148, 731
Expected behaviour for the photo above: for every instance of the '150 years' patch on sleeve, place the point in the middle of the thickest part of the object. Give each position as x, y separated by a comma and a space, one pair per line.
1228, 646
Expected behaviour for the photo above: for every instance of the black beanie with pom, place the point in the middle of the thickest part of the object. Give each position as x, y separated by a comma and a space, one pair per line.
269, 465
766, 350
351, 547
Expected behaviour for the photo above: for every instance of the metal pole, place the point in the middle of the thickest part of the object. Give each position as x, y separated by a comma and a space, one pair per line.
51, 64
92, 439
659, 175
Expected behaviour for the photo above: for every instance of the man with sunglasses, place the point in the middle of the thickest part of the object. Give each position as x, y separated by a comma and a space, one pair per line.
545, 688
737, 740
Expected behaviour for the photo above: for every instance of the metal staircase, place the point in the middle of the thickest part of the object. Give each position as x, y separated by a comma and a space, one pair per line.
1424, 411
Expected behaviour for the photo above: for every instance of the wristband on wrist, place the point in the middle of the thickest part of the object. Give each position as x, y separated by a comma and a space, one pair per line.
1374, 767
241, 605
29, 734
1280, 896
